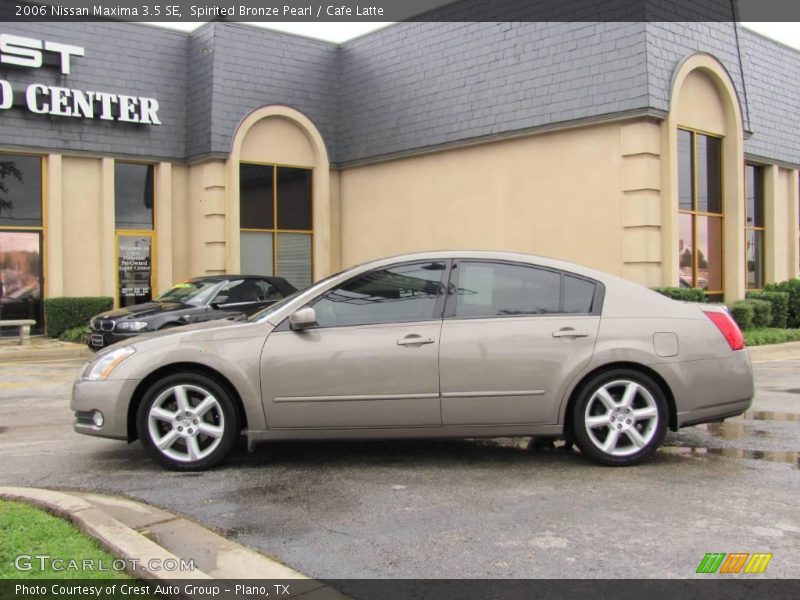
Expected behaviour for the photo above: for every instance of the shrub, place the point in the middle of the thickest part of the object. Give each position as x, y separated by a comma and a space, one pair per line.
760, 337
742, 312
780, 306
62, 314
792, 287
76, 335
682, 293
762, 313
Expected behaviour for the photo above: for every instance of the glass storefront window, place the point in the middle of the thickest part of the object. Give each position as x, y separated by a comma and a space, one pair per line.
754, 226
256, 196
21, 277
294, 199
686, 249
133, 196
21, 265
134, 199
708, 159
700, 225
257, 249
708, 238
20, 191
686, 170
276, 222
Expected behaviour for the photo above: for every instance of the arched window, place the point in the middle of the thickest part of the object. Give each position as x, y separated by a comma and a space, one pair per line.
276, 222
700, 218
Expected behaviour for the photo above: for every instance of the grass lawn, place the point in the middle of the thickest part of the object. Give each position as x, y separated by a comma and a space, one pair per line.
25, 530
770, 335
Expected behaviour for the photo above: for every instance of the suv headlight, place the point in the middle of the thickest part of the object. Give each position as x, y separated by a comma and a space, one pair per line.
131, 325
101, 367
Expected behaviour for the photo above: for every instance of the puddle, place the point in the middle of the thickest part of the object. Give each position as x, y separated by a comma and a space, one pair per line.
790, 457
768, 415
737, 429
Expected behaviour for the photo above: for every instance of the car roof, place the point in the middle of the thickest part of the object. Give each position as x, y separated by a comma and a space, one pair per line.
497, 255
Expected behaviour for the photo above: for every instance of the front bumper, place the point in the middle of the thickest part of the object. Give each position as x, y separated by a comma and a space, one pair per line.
96, 340
111, 397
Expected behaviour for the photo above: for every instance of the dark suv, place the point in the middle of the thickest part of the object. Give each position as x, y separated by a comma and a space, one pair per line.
199, 299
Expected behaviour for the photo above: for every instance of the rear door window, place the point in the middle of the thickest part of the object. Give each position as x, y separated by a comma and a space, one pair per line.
498, 289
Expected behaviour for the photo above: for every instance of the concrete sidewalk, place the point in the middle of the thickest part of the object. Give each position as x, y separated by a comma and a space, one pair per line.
41, 348
787, 351
148, 535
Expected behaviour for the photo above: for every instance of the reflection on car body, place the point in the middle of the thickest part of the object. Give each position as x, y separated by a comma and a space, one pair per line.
438, 344
193, 301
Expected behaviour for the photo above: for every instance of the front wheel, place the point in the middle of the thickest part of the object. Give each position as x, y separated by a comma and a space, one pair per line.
187, 422
620, 417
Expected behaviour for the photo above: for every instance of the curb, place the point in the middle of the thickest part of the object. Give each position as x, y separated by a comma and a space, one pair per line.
135, 531
774, 352
114, 536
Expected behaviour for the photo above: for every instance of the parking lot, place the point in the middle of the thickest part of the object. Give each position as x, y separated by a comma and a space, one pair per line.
460, 509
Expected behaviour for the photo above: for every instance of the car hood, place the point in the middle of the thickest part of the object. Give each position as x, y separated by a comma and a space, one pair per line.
143, 310
219, 329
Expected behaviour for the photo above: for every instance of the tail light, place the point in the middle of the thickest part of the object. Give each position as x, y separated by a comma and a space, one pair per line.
728, 328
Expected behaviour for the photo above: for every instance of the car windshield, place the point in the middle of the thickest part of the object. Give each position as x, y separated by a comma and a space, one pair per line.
195, 292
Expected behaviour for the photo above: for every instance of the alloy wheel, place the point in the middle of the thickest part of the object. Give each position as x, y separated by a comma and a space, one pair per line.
621, 418
186, 423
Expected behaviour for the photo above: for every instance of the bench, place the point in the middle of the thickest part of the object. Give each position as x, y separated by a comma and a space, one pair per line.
24, 329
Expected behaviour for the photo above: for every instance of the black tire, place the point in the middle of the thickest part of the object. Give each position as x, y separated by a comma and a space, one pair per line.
626, 450
221, 417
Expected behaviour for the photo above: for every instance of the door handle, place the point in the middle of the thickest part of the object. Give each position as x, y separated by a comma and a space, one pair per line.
414, 340
570, 332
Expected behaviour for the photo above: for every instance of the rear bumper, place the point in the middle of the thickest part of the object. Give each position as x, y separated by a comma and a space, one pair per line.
709, 390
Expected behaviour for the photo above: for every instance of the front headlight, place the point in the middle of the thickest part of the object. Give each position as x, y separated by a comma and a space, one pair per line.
131, 325
101, 367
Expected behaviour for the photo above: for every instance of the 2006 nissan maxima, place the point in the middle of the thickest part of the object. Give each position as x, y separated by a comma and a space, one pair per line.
438, 344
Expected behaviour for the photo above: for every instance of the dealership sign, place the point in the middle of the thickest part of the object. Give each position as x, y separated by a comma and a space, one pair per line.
43, 99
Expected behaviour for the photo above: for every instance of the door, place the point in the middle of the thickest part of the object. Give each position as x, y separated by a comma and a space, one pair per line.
135, 254
371, 360
512, 332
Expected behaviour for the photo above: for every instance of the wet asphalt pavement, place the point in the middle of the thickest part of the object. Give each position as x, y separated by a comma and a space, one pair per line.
460, 509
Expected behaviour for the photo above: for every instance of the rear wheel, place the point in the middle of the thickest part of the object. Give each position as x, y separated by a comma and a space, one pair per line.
619, 417
187, 421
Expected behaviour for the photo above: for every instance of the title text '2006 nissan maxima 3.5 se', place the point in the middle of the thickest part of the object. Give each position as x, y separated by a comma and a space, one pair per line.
437, 344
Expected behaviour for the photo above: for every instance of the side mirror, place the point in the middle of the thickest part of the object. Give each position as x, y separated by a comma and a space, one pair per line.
218, 301
302, 319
